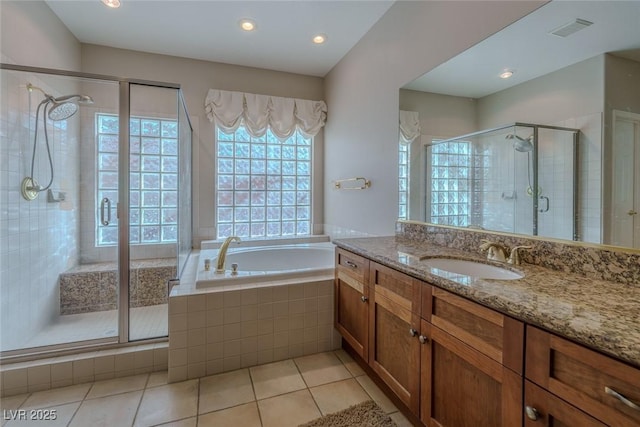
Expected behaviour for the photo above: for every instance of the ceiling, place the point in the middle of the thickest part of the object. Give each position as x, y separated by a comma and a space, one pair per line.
526, 48
209, 30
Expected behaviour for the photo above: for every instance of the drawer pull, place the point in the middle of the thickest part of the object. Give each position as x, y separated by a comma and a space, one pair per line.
621, 398
413, 332
423, 339
364, 299
532, 413
351, 264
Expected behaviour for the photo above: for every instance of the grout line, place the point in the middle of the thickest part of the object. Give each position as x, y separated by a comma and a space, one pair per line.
255, 396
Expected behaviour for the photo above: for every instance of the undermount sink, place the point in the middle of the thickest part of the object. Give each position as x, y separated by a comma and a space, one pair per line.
473, 268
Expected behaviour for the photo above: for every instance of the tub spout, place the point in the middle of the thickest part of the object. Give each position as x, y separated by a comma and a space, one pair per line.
222, 253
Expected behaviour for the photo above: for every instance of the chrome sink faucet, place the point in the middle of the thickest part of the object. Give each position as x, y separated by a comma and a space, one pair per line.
222, 253
495, 251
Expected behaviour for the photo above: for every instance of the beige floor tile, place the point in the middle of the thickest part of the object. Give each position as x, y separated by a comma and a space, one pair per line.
157, 378
168, 403
225, 390
117, 386
376, 394
244, 415
117, 410
56, 396
188, 422
321, 368
334, 397
288, 410
349, 363
276, 378
10, 403
63, 414
400, 420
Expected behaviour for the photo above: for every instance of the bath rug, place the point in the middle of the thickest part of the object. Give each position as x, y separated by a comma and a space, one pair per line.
365, 414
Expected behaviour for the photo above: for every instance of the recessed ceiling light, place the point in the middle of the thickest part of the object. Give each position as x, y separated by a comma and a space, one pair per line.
112, 3
247, 24
319, 38
506, 74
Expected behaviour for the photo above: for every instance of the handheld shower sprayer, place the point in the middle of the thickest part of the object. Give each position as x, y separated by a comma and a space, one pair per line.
57, 109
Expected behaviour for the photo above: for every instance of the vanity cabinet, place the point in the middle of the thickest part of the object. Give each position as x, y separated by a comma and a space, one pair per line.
394, 324
471, 363
351, 300
598, 385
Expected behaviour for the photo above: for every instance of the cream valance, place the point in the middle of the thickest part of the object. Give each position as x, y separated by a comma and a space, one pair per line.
260, 112
409, 126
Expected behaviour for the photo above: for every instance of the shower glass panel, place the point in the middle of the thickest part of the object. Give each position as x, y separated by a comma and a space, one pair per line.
154, 136
56, 286
95, 203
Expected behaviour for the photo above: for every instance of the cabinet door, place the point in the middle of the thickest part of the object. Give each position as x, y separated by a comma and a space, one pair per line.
599, 385
543, 409
461, 387
352, 313
394, 349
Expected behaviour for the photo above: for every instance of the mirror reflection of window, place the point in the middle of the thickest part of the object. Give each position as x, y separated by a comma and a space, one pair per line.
403, 180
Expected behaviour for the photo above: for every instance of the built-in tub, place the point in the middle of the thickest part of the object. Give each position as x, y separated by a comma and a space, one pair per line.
279, 306
291, 263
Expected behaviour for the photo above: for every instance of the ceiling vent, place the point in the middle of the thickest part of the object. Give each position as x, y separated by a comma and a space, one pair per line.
572, 27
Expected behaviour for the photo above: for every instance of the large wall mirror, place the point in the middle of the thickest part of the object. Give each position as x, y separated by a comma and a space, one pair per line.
535, 130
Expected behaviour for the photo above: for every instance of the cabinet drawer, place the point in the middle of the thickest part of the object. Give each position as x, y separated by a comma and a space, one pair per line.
401, 289
491, 333
352, 265
584, 378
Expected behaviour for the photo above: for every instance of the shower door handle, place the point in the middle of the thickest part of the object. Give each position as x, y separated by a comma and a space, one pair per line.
546, 199
105, 204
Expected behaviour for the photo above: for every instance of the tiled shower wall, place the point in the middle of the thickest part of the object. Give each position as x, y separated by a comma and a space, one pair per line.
38, 240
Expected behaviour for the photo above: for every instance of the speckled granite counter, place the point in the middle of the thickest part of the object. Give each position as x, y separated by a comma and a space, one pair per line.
599, 314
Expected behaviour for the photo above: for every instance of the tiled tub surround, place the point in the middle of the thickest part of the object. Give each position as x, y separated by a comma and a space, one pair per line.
222, 330
603, 315
93, 287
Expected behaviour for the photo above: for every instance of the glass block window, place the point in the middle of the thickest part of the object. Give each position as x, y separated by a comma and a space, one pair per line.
263, 185
403, 180
450, 183
153, 175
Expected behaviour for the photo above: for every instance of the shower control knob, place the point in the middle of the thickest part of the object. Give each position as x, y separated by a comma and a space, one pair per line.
364, 299
632, 212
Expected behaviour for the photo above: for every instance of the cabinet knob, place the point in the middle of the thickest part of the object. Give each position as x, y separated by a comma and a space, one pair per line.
423, 339
413, 332
351, 264
532, 413
364, 299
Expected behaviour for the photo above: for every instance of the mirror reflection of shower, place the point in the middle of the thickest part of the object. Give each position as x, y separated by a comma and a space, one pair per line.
56, 109
524, 145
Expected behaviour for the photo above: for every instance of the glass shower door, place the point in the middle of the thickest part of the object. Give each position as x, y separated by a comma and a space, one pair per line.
153, 206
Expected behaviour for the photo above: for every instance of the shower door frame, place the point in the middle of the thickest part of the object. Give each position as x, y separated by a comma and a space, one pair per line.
124, 101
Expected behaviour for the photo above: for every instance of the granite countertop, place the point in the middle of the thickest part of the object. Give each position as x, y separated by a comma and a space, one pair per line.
599, 314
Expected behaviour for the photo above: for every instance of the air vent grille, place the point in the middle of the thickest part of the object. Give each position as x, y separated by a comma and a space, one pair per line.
570, 28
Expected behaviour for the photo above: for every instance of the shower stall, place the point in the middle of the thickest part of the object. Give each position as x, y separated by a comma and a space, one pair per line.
95, 196
519, 178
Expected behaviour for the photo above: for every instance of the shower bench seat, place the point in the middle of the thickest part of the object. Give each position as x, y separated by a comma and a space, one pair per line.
94, 287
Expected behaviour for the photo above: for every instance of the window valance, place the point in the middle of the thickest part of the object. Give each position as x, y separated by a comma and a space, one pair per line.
409, 126
260, 112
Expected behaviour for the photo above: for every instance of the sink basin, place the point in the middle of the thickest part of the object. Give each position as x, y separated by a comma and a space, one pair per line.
472, 268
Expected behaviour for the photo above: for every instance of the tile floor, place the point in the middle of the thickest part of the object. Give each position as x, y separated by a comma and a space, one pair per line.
280, 394
146, 322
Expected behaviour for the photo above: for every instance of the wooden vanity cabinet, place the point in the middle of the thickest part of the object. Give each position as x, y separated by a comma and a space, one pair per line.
394, 324
600, 386
471, 363
351, 300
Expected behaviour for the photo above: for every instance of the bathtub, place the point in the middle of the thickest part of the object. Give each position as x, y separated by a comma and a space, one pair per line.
269, 265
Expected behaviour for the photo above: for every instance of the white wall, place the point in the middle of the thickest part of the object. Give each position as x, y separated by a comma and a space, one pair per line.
362, 94
196, 78
38, 240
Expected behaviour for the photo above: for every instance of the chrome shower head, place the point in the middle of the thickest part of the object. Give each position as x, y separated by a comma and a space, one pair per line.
62, 110
522, 145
